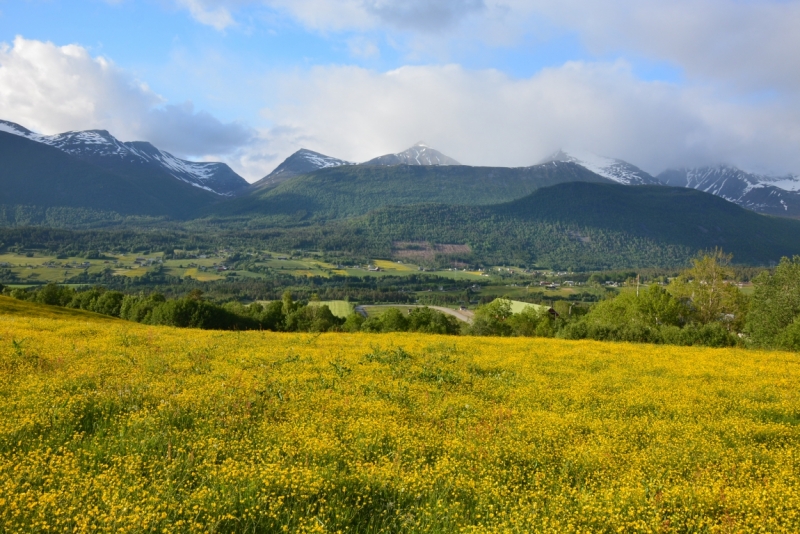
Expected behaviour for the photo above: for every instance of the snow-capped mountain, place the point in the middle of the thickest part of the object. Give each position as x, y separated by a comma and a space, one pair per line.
419, 154
764, 194
103, 149
614, 169
301, 162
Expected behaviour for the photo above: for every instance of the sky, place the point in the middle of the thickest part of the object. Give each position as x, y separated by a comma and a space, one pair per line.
661, 84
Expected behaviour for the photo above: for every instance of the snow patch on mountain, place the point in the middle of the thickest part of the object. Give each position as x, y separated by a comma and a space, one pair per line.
764, 194
321, 161
614, 169
419, 154
303, 161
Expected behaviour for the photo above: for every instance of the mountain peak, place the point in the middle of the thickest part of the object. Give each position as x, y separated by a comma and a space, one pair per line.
614, 169
419, 154
303, 161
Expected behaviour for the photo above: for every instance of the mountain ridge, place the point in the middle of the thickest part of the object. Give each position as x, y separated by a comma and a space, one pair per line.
37, 174
614, 169
348, 191
752, 191
103, 149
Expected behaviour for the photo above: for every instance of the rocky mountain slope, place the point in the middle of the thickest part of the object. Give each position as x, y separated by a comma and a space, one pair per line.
301, 162
764, 194
419, 154
617, 170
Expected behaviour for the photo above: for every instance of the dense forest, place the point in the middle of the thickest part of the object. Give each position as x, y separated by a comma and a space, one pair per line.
575, 226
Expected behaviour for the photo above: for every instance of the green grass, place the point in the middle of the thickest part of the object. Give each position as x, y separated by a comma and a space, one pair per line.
519, 307
339, 308
12, 306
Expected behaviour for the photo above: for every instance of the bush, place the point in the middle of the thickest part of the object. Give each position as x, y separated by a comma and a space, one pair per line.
430, 321
54, 295
312, 319
353, 323
492, 319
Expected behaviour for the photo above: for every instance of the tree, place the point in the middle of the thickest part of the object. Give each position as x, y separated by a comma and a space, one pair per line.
393, 320
774, 316
289, 305
492, 319
430, 321
532, 322
708, 287
54, 295
313, 318
353, 322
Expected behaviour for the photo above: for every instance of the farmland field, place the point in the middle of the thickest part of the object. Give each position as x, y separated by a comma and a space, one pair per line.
339, 308
118, 427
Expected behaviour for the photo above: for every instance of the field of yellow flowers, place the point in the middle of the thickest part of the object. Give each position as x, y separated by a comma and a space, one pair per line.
118, 427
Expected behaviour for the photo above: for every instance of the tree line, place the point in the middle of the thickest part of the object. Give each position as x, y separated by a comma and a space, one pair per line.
701, 306
193, 311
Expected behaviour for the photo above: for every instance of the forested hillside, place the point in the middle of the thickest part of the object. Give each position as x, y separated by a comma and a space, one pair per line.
574, 225
348, 191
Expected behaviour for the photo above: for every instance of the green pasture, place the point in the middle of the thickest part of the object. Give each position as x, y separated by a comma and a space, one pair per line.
340, 308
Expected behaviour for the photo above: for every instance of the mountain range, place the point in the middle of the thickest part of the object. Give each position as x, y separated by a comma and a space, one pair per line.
150, 170
575, 205
766, 194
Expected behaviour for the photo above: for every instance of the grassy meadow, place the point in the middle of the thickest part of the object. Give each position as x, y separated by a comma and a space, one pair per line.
117, 427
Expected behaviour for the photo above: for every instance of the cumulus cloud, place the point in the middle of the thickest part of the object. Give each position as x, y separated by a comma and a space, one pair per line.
746, 43
52, 89
750, 44
187, 131
488, 118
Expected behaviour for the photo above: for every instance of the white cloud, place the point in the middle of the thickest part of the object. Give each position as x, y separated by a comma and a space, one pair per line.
52, 89
204, 12
487, 118
750, 44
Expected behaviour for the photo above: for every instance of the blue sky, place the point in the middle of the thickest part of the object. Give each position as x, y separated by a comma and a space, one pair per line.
488, 82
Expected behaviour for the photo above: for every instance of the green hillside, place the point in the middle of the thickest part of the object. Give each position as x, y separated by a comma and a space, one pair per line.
33, 174
572, 225
349, 191
12, 306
